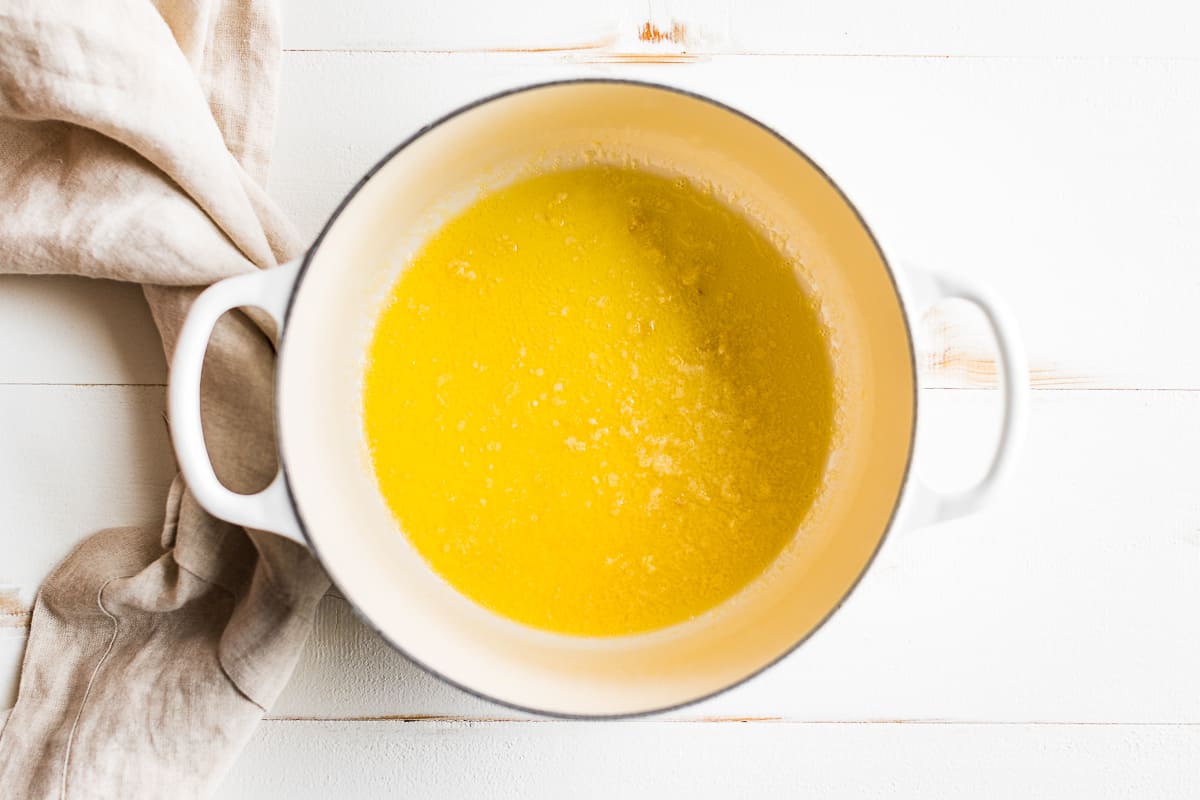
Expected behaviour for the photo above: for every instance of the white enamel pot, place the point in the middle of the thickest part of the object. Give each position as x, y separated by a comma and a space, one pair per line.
326, 497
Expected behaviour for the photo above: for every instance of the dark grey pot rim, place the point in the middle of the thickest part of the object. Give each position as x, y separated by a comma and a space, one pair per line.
308, 256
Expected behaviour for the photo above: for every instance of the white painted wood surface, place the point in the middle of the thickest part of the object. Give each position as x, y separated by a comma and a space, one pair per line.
718, 761
1155, 28
1044, 177
1049, 148
1010, 616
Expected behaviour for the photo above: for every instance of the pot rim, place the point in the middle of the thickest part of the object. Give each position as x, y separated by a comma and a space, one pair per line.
370, 173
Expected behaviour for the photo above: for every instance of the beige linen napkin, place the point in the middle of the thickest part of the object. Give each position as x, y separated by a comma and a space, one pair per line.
134, 139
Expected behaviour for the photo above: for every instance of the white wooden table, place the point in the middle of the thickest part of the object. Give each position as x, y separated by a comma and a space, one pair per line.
1047, 648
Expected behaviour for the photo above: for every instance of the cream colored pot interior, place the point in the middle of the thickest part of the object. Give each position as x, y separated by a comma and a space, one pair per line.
367, 246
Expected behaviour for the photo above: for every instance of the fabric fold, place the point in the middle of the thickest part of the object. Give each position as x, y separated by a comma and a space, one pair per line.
134, 144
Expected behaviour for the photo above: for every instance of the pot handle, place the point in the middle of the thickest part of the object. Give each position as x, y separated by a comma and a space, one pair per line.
929, 288
270, 509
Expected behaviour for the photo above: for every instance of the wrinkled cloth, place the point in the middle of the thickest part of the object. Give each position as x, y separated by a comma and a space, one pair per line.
134, 142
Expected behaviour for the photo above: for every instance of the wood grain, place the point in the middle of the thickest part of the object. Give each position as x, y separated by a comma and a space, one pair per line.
757, 759
853, 27
76, 330
76, 459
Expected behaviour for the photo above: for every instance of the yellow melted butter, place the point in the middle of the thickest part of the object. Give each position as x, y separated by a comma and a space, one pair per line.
598, 402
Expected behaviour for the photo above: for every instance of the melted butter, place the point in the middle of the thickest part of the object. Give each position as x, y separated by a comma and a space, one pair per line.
597, 401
